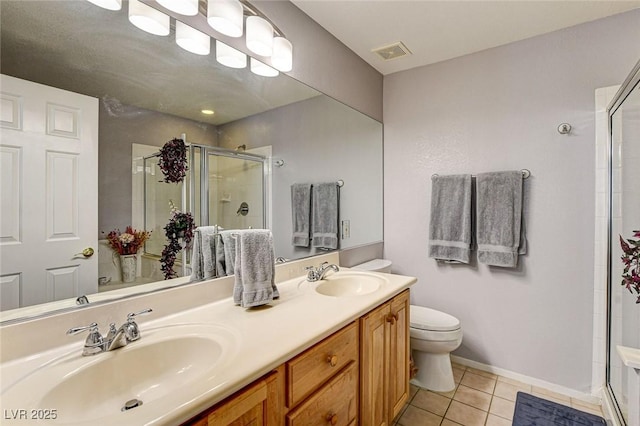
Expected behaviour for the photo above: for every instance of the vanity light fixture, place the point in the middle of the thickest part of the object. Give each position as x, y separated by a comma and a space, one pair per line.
192, 40
183, 7
226, 16
282, 58
108, 4
148, 19
230, 57
259, 36
263, 69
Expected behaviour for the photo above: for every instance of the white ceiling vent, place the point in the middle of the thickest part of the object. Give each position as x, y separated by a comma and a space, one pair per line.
392, 51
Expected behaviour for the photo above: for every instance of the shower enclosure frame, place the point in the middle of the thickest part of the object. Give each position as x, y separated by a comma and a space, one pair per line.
627, 87
189, 192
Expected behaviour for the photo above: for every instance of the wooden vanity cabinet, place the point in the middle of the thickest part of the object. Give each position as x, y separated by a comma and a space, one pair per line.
358, 375
259, 404
384, 361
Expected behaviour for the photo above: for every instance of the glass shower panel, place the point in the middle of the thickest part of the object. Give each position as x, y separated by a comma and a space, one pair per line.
236, 192
624, 313
158, 195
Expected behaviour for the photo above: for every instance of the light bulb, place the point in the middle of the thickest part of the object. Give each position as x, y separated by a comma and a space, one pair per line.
259, 36
148, 19
282, 58
183, 7
262, 69
192, 40
226, 17
229, 56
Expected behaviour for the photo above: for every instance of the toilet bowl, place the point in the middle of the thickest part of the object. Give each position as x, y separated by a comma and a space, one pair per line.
434, 335
375, 265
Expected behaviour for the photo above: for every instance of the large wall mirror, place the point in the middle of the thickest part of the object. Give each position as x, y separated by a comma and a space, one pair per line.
146, 91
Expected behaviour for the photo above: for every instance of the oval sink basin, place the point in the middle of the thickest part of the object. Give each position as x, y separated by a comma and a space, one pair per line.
349, 283
95, 389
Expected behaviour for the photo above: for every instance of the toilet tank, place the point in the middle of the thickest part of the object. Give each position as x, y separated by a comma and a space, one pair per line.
375, 265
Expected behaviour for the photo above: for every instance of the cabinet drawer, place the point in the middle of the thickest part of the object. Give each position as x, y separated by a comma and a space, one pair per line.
312, 368
336, 403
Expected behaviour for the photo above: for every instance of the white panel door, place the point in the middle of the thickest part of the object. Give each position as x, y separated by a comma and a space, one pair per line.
49, 192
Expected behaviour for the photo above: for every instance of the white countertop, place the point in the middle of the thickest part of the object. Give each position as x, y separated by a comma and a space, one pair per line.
266, 337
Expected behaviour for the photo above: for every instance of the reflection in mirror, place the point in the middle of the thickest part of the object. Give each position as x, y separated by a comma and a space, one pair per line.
137, 92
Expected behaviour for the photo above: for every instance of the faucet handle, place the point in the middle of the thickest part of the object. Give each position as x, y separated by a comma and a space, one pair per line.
94, 341
132, 315
132, 329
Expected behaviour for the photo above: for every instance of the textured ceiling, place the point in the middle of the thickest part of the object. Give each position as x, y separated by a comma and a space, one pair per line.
435, 31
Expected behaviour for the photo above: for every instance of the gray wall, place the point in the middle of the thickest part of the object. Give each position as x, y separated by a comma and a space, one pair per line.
499, 110
120, 127
323, 62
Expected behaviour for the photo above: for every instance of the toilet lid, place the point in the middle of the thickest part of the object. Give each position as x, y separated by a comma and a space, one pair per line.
430, 319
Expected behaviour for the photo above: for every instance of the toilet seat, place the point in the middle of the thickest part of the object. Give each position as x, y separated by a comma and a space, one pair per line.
427, 319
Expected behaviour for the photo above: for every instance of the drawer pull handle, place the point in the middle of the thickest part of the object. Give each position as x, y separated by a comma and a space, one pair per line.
332, 418
332, 360
392, 318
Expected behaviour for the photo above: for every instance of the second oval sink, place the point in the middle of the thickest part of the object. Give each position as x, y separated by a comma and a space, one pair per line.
350, 283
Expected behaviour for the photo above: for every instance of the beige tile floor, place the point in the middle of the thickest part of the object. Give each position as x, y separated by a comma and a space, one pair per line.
480, 398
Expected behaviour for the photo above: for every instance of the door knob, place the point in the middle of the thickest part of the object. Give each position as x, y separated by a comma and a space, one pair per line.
86, 253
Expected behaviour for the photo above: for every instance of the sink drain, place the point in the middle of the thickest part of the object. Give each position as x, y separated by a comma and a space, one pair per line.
130, 404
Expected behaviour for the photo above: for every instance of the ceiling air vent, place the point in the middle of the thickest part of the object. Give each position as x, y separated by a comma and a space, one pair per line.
392, 51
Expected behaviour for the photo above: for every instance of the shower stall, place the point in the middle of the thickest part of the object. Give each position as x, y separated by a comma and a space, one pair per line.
623, 283
227, 188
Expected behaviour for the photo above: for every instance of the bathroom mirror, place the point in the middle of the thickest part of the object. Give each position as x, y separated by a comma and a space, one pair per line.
149, 91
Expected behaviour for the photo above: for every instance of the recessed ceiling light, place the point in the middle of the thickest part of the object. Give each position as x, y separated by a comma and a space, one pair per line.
207, 111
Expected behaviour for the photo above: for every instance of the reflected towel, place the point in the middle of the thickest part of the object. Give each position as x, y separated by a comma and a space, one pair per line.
450, 222
300, 213
324, 215
254, 269
500, 230
229, 249
203, 257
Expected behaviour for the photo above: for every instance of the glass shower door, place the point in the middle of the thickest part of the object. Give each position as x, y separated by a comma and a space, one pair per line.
623, 311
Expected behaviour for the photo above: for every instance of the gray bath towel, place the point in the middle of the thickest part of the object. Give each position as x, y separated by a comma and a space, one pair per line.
324, 215
301, 213
500, 229
450, 223
254, 268
203, 256
229, 249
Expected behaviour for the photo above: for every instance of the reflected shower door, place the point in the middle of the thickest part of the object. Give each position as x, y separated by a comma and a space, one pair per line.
236, 191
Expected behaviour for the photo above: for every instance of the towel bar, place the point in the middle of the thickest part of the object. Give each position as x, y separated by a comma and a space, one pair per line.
525, 174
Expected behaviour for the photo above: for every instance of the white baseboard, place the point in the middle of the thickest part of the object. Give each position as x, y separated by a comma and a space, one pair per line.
592, 399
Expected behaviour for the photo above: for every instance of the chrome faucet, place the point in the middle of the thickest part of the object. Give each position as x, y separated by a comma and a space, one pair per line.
317, 274
115, 337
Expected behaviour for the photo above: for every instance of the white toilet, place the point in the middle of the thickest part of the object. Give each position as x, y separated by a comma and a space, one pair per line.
434, 335
375, 265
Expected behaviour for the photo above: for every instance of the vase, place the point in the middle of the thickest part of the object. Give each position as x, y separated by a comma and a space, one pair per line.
128, 266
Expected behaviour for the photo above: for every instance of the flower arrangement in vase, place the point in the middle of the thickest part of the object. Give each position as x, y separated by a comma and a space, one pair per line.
126, 244
180, 226
631, 260
173, 161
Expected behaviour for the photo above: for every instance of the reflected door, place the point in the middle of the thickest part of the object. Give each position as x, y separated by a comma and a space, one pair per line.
48, 154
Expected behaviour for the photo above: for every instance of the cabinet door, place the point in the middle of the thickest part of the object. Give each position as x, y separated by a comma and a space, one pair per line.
336, 403
374, 347
399, 354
